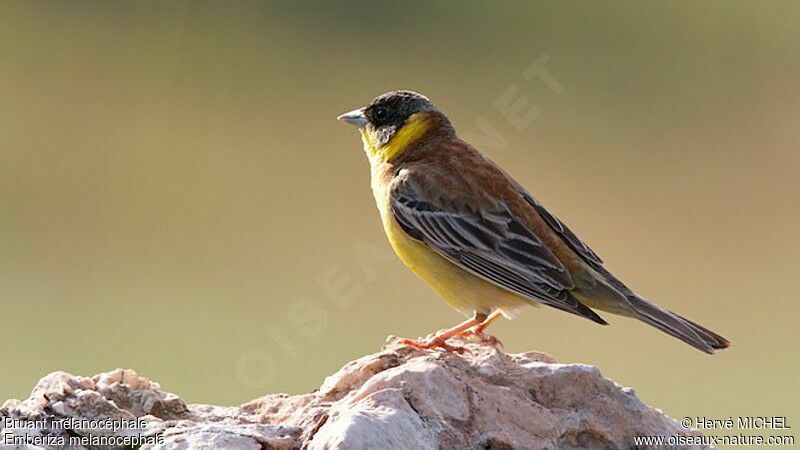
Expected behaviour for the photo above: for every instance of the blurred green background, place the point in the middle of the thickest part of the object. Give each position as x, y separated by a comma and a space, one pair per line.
177, 197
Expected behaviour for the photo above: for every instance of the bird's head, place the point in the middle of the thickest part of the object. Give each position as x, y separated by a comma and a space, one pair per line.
393, 121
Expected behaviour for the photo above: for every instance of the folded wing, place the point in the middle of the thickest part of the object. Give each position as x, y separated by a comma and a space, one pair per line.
489, 242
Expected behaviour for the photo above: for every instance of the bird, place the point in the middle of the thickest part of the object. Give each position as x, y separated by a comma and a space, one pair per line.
478, 238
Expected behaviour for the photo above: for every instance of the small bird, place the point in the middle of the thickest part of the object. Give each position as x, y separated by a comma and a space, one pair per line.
478, 238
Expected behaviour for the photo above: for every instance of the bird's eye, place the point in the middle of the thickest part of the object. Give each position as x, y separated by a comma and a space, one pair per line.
381, 113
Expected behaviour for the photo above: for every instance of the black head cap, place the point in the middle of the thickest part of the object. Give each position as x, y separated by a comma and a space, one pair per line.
395, 107
389, 112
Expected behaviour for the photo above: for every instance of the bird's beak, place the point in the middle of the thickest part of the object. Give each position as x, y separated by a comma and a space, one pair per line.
355, 117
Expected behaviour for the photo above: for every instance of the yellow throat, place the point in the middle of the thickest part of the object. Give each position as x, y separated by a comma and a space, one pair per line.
416, 125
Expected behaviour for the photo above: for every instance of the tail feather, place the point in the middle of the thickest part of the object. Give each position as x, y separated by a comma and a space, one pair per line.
667, 321
682, 328
716, 341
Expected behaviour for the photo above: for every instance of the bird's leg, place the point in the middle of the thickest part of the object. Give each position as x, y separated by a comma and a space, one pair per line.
477, 330
440, 340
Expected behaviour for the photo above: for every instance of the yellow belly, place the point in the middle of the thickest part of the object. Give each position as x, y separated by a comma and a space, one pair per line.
462, 290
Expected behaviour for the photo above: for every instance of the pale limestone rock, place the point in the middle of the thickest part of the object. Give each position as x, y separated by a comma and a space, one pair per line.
398, 398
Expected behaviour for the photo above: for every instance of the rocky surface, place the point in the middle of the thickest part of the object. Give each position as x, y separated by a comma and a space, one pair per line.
397, 398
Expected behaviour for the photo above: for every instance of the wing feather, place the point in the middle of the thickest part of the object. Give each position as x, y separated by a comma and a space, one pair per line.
492, 244
566, 234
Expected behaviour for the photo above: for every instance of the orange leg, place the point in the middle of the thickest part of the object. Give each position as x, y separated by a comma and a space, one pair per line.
471, 327
440, 340
477, 330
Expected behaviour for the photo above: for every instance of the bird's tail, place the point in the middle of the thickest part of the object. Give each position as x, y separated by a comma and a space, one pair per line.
667, 321
682, 328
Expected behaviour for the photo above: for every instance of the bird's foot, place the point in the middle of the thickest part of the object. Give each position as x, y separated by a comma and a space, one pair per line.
436, 342
484, 338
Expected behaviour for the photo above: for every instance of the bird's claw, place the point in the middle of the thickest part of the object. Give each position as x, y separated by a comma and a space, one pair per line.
433, 344
485, 338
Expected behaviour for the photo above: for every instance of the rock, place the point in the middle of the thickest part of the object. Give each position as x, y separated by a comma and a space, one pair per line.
398, 398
